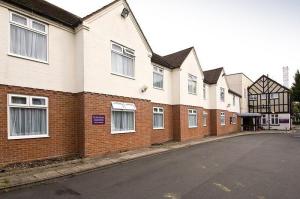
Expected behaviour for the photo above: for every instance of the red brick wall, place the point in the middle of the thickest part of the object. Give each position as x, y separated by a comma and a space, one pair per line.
98, 139
63, 140
166, 134
218, 129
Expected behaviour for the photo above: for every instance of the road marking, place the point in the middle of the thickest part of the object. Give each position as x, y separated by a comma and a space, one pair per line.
171, 196
222, 187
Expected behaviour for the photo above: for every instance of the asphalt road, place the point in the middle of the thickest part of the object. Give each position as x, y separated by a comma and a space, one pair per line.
256, 166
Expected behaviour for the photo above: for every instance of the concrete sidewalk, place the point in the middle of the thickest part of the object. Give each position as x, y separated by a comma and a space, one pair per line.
22, 177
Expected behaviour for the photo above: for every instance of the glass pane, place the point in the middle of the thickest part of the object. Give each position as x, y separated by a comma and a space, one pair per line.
122, 65
38, 26
18, 100
38, 101
157, 80
27, 43
158, 121
24, 121
117, 48
122, 121
18, 19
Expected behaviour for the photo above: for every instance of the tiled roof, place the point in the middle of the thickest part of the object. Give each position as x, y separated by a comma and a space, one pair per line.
173, 60
47, 10
212, 76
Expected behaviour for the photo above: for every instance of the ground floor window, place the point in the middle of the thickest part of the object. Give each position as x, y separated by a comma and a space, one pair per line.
192, 118
204, 118
233, 119
222, 118
123, 117
264, 120
158, 118
27, 116
274, 119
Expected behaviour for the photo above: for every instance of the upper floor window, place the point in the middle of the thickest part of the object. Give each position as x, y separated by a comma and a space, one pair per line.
192, 84
233, 100
204, 91
263, 96
122, 60
222, 94
253, 97
28, 38
27, 116
158, 77
274, 96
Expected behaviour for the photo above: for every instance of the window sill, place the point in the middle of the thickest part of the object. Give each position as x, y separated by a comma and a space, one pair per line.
192, 93
121, 132
158, 128
223, 124
120, 75
204, 125
193, 127
28, 137
162, 89
27, 58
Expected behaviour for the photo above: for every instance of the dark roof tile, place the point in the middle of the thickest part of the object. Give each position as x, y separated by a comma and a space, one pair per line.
212, 76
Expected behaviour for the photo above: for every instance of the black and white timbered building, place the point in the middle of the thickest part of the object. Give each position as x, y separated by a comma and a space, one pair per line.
272, 101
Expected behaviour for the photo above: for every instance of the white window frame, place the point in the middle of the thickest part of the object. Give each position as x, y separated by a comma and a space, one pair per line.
159, 71
222, 115
123, 108
233, 100
253, 97
204, 115
204, 91
274, 95
161, 113
193, 112
192, 78
222, 90
30, 28
125, 50
274, 116
234, 119
28, 105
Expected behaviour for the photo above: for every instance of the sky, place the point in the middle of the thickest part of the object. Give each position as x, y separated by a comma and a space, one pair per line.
255, 37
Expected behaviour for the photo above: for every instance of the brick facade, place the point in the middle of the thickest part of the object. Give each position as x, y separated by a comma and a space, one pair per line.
63, 129
71, 131
217, 129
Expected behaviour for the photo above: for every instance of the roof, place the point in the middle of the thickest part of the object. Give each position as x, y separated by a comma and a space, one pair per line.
212, 76
240, 74
48, 10
173, 60
233, 92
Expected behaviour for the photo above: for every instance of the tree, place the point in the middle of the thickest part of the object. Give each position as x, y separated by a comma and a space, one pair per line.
296, 88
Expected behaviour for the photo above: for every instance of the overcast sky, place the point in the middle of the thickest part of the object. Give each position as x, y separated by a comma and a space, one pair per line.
251, 36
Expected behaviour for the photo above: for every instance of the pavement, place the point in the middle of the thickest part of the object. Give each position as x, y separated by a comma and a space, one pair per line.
249, 166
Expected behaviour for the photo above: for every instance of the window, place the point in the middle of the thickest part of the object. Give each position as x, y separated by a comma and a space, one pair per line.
192, 84
264, 119
122, 60
158, 77
158, 118
193, 118
204, 118
122, 117
28, 38
233, 100
263, 96
233, 119
222, 118
253, 97
28, 116
222, 94
274, 96
204, 91
274, 119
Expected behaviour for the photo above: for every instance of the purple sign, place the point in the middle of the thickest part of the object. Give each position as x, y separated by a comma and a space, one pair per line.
98, 119
284, 121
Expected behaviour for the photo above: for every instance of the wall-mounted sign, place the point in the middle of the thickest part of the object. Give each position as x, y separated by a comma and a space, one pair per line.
284, 121
98, 119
